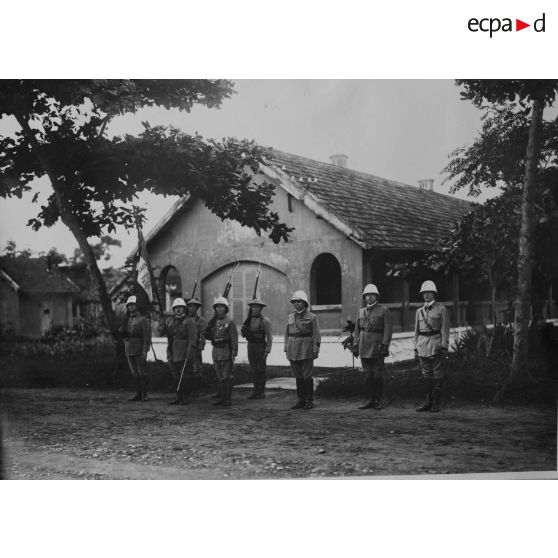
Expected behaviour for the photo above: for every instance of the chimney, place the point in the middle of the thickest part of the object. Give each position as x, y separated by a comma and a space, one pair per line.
339, 160
426, 184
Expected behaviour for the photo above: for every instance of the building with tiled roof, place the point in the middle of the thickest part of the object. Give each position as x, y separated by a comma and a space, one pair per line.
348, 225
34, 295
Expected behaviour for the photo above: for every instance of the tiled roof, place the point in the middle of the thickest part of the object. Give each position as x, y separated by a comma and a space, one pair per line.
79, 275
32, 275
382, 213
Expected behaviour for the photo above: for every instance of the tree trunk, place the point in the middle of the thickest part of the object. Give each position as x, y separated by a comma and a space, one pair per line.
71, 221
526, 248
493, 302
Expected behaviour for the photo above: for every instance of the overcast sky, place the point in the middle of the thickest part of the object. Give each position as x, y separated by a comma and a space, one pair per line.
397, 129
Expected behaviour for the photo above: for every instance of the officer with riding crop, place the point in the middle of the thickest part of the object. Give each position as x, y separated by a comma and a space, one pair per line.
180, 351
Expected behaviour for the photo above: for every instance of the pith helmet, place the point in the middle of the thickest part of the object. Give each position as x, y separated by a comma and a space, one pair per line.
221, 300
370, 289
428, 286
300, 295
256, 302
194, 301
131, 300
178, 302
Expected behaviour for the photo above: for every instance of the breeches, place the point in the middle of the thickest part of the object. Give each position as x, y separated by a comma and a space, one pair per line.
373, 367
223, 369
302, 368
137, 365
177, 369
257, 359
432, 367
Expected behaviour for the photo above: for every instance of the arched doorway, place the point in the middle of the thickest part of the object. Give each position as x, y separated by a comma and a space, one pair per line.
273, 287
325, 280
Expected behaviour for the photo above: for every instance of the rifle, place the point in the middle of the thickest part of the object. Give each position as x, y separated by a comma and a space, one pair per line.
196, 281
246, 325
226, 292
228, 286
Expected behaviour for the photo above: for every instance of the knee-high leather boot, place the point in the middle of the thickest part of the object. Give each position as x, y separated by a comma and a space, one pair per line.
369, 385
427, 405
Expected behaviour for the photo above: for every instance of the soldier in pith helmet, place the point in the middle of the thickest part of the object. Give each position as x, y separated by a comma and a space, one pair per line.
221, 330
431, 345
136, 332
257, 331
179, 351
302, 345
197, 325
371, 341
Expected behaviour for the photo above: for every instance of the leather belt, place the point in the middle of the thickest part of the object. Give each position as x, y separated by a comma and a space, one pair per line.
430, 333
300, 335
373, 330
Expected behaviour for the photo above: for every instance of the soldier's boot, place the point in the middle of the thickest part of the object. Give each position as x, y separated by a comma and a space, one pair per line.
228, 392
309, 393
184, 391
427, 405
137, 396
144, 389
436, 395
261, 388
379, 389
176, 399
196, 385
369, 383
300, 394
254, 394
220, 395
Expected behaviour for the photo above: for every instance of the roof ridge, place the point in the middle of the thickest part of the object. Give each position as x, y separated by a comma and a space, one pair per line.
368, 175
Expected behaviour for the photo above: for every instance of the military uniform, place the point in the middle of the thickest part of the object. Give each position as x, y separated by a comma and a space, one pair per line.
224, 338
197, 325
372, 336
181, 353
302, 345
431, 345
136, 332
260, 339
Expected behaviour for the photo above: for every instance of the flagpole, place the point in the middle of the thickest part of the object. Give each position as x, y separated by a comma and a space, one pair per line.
142, 244
154, 289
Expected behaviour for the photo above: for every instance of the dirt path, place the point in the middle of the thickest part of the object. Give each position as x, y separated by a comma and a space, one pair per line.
61, 434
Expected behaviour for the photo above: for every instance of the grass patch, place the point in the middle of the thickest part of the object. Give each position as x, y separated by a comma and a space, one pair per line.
77, 365
465, 381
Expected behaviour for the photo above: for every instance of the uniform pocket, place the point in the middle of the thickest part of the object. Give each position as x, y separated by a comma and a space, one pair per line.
305, 326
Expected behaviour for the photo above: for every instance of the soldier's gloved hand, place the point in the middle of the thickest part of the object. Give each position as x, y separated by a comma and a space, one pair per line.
383, 350
144, 355
314, 356
416, 355
443, 351
355, 351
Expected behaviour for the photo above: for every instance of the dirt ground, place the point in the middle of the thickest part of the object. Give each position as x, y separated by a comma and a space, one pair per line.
79, 434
